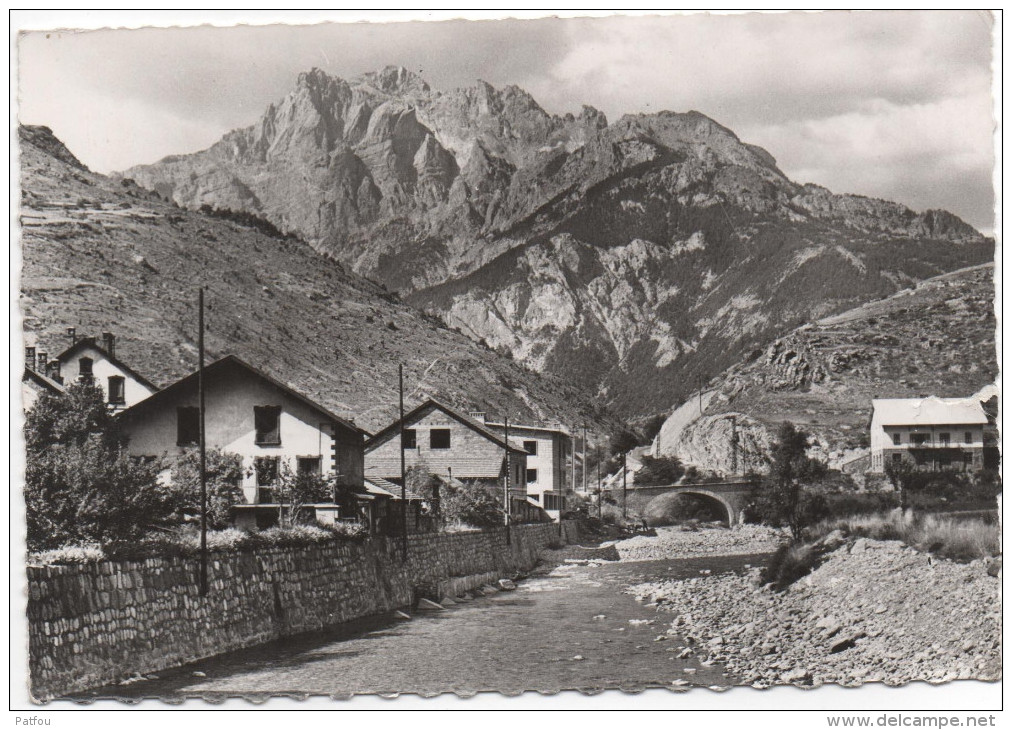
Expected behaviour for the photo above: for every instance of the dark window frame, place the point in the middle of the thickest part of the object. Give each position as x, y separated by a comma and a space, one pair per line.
531, 447
86, 367
968, 437
433, 432
119, 398
187, 431
945, 438
896, 438
262, 435
410, 439
317, 460
532, 475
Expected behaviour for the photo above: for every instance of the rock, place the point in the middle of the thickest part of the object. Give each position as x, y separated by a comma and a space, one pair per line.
993, 566
860, 545
797, 676
578, 657
662, 637
679, 683
505, 584
690, 670
685, 653
599, 617
401, 615
842, 644
716, 641
198, 674
424, 604
833, 540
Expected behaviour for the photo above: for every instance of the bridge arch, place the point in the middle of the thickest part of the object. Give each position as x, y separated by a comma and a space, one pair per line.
730, 510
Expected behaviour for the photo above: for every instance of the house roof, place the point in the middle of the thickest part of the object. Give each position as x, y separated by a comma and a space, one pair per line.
390, 430
383, 488
927, 411
91, 342
42, 380
235, 362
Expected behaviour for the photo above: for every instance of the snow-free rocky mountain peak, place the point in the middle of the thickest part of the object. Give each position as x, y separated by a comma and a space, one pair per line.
633, 257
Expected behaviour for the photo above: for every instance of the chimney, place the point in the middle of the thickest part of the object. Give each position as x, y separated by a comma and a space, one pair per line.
110, 343
54, 371
72, 334
43, 360
30, 357
478, 416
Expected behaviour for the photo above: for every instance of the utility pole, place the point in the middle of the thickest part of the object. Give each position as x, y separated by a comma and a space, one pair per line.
597, 452
624, 497
506, 503
585, 458
404, 479
203, 444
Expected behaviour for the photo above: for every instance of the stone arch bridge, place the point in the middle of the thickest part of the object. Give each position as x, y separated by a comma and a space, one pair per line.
732, 496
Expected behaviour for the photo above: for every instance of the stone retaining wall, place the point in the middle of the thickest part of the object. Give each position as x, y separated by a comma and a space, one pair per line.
98, 623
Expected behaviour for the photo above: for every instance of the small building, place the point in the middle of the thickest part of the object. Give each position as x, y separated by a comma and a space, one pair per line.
448, 444
932, 434
249, 413
89, 359
548, 451
34, 384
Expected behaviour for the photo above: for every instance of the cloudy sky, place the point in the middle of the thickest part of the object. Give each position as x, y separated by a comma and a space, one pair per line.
888, 104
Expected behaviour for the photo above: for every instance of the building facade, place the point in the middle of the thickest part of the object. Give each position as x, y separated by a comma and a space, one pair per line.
931, 434
449, 445
549, 449
89, 359
247, 412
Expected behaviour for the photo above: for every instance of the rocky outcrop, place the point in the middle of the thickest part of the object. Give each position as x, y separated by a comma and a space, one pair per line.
633, 256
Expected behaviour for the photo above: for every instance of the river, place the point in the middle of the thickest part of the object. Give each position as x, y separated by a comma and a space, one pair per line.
567, 627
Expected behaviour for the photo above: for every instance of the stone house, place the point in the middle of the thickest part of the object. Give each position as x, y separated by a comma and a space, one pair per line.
933, 434
450, 445
87, 358
549, 449
34, 382
267, 423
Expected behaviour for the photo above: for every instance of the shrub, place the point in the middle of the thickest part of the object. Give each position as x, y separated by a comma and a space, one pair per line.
224, 477
659, 471
788, 564
473, 504
69, 554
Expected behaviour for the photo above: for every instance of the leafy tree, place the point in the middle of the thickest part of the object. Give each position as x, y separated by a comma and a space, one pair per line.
622, 441
80, 484
473, 504
660, 470
297, 489
783, 500
224, 477
901, 474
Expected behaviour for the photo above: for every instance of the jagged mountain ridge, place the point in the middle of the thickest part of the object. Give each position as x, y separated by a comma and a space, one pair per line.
936, 338
100, 254
632, 257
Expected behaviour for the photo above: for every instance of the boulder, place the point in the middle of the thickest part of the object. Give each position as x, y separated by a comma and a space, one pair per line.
505, 584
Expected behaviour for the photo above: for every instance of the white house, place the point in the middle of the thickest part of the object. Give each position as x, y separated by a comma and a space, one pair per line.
248, 413
932, 434
87, 358
548, 450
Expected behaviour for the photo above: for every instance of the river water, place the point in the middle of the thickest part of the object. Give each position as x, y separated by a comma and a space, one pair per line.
569, 627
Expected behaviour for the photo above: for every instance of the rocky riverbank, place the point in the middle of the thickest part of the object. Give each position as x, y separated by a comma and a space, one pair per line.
872, 612
693, 542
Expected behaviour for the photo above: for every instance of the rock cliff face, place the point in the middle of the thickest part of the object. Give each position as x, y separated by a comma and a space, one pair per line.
105, 255
633, 257
936, 338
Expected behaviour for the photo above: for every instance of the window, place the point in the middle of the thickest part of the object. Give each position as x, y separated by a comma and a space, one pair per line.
532, 475
535, 497
531, 447
968, 437
187, 425
439, 438
117, 390
516, 474
918, 439
897, 458
410, 438
944, 439
84, 367
308, 465
268, 425
896, 439
266, 468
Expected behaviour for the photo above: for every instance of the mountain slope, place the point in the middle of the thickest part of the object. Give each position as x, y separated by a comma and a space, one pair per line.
937, 338
631, 257
102, 255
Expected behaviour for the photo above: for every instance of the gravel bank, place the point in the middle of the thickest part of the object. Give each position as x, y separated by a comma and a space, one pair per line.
872, 612
682, 542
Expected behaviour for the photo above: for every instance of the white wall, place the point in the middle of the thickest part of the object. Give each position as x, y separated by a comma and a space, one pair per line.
102, 368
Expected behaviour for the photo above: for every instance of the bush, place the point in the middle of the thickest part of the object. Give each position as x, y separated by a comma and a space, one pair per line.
662, 470
80, 484
788, 564
224, 477
474, 505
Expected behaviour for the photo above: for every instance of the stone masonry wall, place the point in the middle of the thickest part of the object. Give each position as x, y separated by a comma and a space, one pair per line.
97, 623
